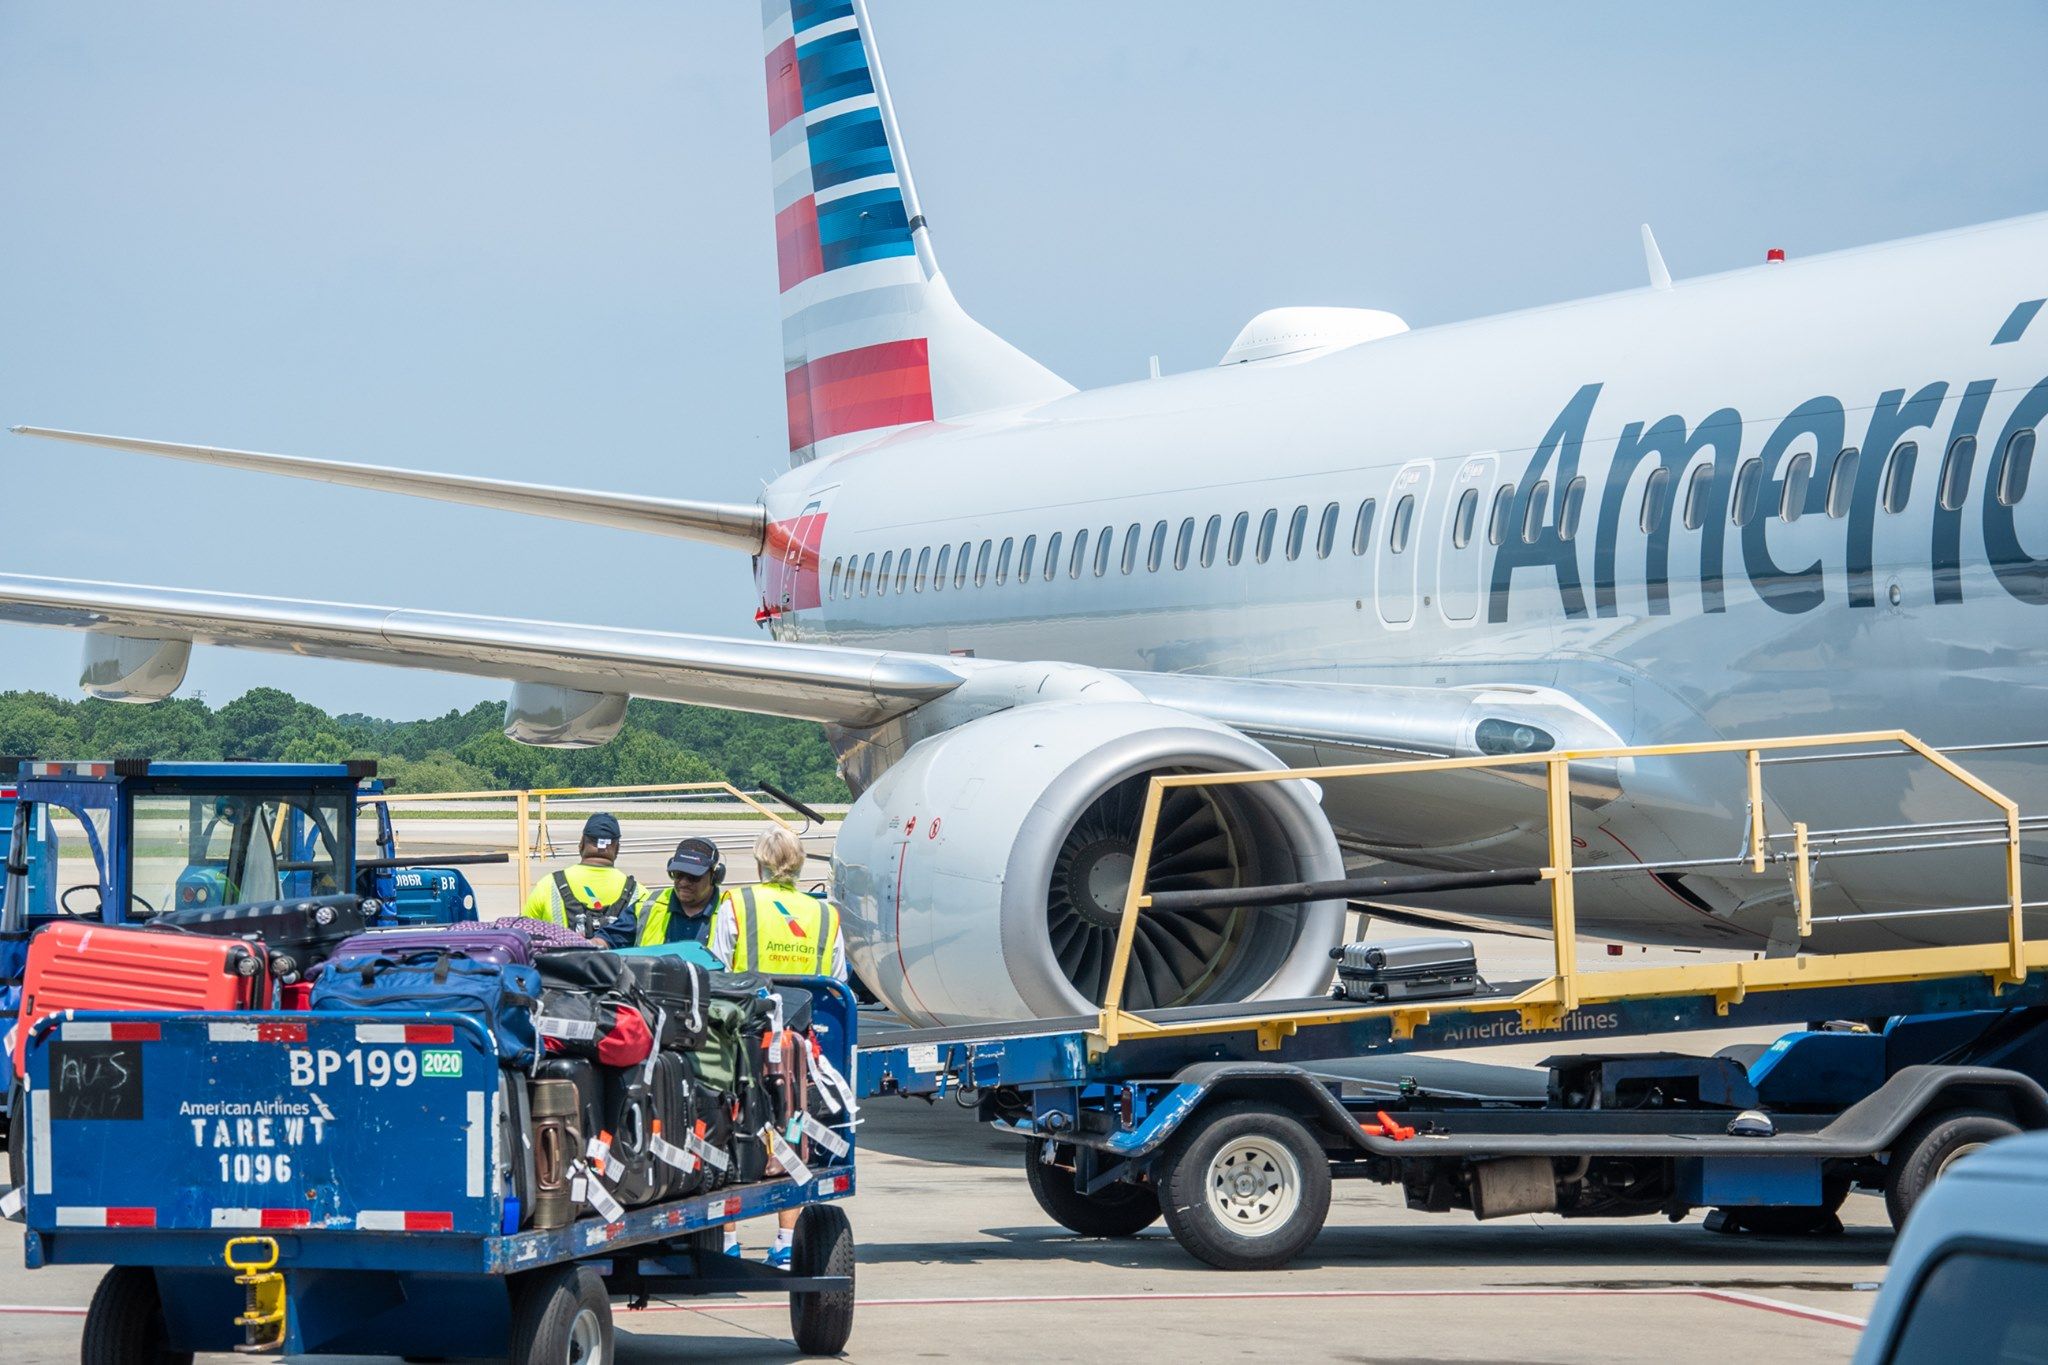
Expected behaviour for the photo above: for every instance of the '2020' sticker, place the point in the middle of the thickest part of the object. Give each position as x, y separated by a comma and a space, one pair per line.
441, 1062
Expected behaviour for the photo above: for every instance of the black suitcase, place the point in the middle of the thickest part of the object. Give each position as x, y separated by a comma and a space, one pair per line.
631, 1171
596, 970
677, 991
1407, 969
755, 1111
298, 934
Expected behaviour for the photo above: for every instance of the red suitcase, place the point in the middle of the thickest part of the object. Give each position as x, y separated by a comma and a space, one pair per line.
101, 967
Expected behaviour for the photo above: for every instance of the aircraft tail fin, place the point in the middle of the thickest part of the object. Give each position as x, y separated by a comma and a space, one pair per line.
873, 339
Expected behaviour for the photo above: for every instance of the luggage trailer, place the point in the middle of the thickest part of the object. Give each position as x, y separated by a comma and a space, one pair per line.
1232, 1120
350, 1184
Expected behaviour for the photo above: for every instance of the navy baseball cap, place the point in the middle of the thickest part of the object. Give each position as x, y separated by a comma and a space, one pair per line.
694, 857
601, 829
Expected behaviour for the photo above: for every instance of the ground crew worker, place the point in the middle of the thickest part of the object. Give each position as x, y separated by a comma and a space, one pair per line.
680, 912
773, 927
590, 891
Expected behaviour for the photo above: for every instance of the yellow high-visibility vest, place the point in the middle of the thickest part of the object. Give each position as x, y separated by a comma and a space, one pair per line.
594, 891
782, 931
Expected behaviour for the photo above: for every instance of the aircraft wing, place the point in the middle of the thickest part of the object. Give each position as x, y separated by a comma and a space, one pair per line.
739, 526
1304, 723
807, 682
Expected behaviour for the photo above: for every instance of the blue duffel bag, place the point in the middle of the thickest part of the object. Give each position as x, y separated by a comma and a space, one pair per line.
500, 997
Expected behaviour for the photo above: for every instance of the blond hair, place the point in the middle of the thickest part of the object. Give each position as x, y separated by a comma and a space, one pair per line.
779, 854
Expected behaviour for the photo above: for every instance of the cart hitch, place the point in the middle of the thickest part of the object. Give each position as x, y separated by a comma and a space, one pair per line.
263, 1323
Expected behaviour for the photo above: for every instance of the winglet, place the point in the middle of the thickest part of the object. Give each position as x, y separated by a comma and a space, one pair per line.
1660, 277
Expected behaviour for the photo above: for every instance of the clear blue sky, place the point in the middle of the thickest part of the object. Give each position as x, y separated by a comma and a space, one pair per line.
533, 241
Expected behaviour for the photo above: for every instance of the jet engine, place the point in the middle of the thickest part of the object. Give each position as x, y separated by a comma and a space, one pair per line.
983, 876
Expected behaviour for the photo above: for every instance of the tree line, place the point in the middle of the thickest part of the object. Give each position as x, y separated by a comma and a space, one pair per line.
459, 751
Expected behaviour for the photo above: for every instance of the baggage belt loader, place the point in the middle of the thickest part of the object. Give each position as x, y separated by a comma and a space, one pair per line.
1231, 1121
338, 1183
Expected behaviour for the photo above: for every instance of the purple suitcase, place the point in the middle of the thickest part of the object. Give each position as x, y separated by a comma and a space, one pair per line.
543, 936
483, 942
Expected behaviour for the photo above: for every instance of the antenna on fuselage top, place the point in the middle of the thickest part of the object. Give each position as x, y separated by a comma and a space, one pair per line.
1660, 276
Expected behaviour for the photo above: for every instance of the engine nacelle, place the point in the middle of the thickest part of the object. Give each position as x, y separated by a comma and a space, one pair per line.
562, 717
983, 876
127, 668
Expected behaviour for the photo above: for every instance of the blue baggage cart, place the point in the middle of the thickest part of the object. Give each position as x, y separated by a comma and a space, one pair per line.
328, 1183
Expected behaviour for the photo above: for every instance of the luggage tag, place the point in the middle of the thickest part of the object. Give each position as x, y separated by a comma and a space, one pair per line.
10, 1203
599, 1151
572, 1030
664, 1150
647, 1067
696, 1146
601, 1199
792, 1165
824, 1136
822, 1064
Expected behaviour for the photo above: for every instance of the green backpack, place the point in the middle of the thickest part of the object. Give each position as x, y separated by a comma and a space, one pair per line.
718, 1063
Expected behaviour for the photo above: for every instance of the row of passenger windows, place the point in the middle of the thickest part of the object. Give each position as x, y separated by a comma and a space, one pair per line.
1095, 551
989, 562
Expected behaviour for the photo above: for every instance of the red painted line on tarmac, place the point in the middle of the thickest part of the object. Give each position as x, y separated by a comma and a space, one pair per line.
1730, 1297
1727, 1296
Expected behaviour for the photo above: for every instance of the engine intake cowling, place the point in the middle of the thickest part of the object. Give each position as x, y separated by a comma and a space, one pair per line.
983, 876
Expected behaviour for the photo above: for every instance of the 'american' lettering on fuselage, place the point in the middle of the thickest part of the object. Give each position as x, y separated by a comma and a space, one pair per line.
1791, 589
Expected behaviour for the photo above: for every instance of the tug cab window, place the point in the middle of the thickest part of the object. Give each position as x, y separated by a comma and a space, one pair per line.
197, 849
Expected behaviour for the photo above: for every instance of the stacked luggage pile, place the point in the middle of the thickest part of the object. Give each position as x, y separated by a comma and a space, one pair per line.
633, 1076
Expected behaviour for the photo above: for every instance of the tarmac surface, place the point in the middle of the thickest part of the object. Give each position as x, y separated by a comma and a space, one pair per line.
957, 1262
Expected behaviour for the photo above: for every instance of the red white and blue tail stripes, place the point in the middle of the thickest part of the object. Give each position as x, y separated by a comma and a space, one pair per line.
872, 340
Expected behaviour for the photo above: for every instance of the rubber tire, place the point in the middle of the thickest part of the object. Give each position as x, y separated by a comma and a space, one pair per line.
822, 1320
1918, 1156
1119, 1211
1183, 1193
125, 1324
546, 1307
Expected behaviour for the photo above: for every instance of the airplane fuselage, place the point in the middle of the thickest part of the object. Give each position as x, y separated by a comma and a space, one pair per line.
1786, 500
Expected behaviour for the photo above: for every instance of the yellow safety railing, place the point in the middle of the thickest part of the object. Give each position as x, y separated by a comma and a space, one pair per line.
533, 839
1546, 1004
